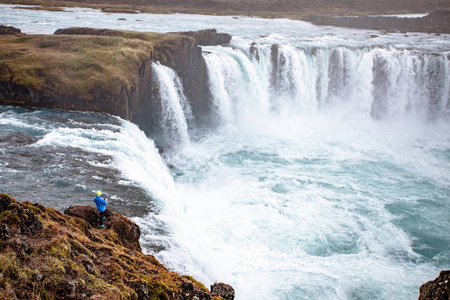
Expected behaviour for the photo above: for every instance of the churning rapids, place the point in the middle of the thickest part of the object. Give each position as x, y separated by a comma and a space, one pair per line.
327, 175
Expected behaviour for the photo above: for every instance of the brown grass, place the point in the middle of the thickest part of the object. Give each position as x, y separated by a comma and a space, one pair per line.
72, 65
65, 250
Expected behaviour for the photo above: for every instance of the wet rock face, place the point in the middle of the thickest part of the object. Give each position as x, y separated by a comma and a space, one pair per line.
223, 290
128, 233
190, 292
438, 289
188, 62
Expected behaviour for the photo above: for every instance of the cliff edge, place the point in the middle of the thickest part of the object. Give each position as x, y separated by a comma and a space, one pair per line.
101, 70
45, 254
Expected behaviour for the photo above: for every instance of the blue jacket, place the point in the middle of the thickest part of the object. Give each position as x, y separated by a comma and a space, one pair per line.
101, 203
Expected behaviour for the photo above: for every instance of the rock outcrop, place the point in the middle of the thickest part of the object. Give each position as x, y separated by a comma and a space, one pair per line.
223, 290
438, 289
128, 233
9, 30
45, 254
208, 37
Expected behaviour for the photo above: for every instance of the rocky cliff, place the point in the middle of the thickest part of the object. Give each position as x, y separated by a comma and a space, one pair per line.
45, 254
101, 70
438, 289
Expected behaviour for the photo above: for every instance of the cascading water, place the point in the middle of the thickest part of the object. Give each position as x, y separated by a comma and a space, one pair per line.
306, 187
382, 83
175, 109
237, 88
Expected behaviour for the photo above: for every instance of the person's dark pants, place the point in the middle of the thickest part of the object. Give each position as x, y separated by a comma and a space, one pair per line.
102, 216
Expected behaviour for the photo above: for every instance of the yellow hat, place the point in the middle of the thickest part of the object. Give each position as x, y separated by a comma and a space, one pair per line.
99, 193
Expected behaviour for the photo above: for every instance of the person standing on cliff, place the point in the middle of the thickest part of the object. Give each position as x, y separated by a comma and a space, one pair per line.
101, 207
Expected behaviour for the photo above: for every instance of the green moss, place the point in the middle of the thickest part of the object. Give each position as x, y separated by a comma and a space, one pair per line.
43, 293
72, 268
60, 249
13, 205
75, 245
102, 287
157, 290
52, 268
5, 214
11, 271
197, 283
114, 273
82, 63
34, 209
10, 54
23, 39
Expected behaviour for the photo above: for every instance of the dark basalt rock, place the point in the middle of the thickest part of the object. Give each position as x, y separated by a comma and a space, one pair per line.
190, 292
9, 30
141, 290
438, 289
208, 37
223, 290
17, 218
128, 232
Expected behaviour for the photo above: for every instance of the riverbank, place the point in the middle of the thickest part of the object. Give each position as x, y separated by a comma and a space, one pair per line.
46, 254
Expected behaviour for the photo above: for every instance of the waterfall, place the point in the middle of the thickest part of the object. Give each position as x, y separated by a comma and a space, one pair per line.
293, 75
238, 84
175, 110
382, 83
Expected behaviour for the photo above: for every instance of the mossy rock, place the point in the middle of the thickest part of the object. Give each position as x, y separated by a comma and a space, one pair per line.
64, 260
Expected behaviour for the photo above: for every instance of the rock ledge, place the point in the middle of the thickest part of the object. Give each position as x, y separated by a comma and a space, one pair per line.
438, 289
45, 254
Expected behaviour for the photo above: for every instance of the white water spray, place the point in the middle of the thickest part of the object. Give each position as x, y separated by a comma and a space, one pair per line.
175, 109
134, 155
237, 88
383, 83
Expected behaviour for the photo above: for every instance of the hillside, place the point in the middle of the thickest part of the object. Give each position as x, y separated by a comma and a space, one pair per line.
45, 254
